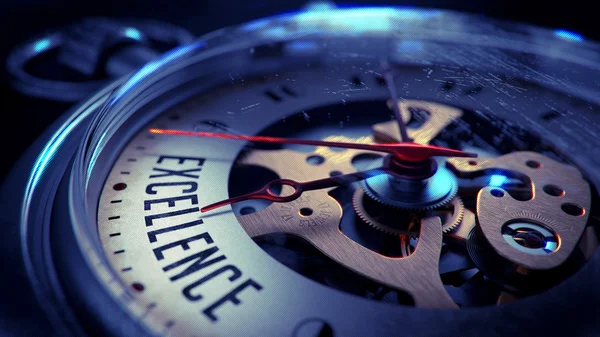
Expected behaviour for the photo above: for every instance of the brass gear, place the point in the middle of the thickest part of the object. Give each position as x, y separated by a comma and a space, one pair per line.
359, 200
360, 197
458, 211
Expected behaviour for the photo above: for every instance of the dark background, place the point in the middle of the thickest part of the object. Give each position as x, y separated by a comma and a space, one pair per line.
22, 119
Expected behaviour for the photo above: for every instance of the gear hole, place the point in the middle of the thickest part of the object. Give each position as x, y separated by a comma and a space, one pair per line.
335, 173
530, 237
533, 164
572, 209
305, 211
497, 193
247, 210
554, 190
315, 160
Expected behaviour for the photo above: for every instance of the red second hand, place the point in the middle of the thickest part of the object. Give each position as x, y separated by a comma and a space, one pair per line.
410, 152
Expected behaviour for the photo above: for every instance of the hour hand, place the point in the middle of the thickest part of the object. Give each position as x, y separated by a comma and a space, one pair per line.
267, 192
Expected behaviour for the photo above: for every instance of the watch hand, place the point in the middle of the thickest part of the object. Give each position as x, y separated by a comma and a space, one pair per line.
265, 193
389, 80
406, 151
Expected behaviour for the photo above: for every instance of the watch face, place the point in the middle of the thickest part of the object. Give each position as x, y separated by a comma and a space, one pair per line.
366, 171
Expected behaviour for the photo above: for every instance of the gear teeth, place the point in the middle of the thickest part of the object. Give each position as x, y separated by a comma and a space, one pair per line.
457, 216
447, 227
443, 202
357, 204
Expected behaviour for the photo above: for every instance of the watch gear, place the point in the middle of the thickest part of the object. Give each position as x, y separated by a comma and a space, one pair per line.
402, 222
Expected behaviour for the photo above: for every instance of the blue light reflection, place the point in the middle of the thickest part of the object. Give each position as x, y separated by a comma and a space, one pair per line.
256, 25
47, 154
321, 6
568, 35
497, 180
361, 19
41, 45
550, 246
354, 20
404, 12
347, 18
133, 33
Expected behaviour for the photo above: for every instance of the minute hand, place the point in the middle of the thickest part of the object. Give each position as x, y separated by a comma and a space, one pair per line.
266, 193
411, 152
